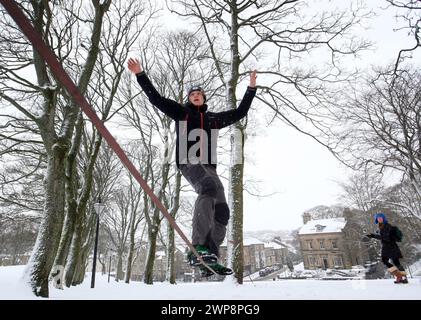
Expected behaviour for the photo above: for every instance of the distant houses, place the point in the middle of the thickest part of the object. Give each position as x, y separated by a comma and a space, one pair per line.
259, 254
321, 243
182, 269
328, 244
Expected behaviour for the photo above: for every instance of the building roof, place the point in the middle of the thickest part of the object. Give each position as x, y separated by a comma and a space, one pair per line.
248, 241
274, 245
323, 226
268, 244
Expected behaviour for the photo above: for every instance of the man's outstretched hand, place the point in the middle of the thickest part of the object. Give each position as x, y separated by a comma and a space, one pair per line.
134, 65
253, 76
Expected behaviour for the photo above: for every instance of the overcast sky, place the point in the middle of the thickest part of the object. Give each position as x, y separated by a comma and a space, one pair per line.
302, 173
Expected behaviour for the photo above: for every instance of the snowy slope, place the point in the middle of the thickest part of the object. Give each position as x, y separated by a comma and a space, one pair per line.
11, 288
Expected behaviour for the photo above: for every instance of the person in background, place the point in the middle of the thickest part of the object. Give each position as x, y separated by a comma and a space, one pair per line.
388, 235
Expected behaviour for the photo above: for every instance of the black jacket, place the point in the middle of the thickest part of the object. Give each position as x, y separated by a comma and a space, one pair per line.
387, 236
189, 117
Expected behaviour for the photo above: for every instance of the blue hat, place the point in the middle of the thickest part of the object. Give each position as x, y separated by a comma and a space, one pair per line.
379, 215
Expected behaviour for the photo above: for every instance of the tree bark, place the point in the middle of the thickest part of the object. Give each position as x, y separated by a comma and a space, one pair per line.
237, 156
120, 272
150, 256
131, 248
236, 190
75, 253
42, 258
171, 248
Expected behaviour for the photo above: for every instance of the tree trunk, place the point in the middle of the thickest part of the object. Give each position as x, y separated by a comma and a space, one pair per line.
48, 238
150, 256
120, 273
131, 248
236, 190
74, 255
80, 271
103, 267
171, 255
171, 273
88, 233
237, 156
71, 214
154, 224
79, 274
65, 242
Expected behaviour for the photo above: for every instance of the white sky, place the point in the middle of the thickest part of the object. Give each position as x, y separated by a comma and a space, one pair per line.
304, 172
300, 170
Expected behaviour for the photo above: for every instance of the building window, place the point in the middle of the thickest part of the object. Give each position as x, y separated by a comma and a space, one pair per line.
309, 245
337, 260
311, 261
334, 244
322, 244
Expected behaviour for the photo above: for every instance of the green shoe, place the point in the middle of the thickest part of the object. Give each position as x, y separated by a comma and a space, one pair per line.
204, 253
218, 268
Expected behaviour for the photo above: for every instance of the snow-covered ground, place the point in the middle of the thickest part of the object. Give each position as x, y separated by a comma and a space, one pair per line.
12, 288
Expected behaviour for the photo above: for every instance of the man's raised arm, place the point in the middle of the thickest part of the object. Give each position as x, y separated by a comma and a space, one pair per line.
170, 107
227, 118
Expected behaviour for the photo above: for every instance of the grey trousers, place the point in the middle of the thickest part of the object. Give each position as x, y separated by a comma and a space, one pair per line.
211, 211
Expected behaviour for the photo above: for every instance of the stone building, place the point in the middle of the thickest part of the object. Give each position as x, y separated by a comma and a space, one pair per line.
259, 254
325, 244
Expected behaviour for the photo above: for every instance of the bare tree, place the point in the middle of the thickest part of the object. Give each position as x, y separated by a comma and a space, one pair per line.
17, 237
363, 190
174, 206
52, 114
381, 129
409, 13
80, 232
363, 193
21, 185
117, 222
323, 212
136, 217
116, 43
107, 178
382, 125
402, 199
